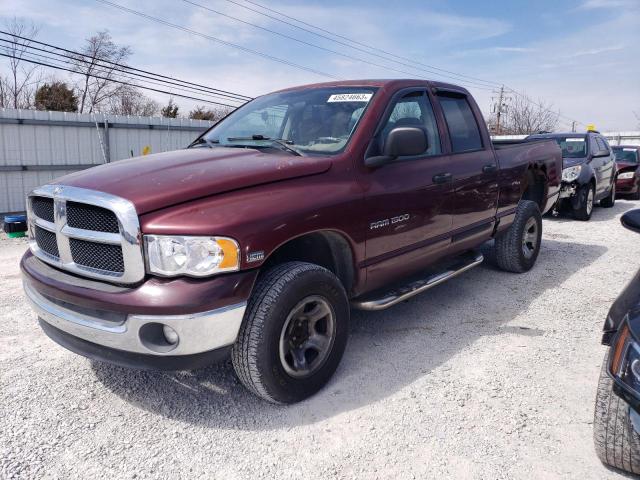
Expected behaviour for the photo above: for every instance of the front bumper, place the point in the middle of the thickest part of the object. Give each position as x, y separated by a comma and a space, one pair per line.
197, 332
627, 185
568, 190
126, 324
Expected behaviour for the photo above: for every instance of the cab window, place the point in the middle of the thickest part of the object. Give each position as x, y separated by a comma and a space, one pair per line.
462, 124
414, 110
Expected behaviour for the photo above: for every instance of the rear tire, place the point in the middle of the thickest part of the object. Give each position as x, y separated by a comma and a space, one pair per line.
285, 352
610, 200
516, 250
586, 200
617, 444
636, 195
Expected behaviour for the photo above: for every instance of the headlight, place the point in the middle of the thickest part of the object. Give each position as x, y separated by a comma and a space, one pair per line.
192, 256
572, 173
626, 175
625, 361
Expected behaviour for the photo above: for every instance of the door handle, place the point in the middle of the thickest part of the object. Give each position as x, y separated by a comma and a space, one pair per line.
491, 168
442, 177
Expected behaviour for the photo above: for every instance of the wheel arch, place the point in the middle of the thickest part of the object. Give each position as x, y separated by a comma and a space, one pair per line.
537, 185
328, 248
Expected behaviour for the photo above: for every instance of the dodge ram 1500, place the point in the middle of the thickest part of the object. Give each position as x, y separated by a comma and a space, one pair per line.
257, 239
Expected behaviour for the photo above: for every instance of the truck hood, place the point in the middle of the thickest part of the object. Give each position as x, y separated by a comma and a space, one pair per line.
157, 181
570, 162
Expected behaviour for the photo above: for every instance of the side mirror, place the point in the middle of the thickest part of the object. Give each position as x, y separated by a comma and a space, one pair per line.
405, 141
400, 142
631, 220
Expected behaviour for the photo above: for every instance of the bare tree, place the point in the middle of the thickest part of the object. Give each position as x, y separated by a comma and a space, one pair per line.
524, 117
130, 101
17, 90
97, 60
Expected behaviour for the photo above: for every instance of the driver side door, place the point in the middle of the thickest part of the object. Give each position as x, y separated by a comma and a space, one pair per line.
408, 201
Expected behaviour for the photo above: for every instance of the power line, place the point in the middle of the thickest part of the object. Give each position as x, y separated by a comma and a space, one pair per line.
304, 42
387, 54
490, 83
101, 69
76, 55
116, 80
100, 72
218, 40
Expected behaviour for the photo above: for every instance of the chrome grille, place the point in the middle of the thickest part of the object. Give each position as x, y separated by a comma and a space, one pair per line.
43, 208
46, 240
97, 255
90, 217
90, 233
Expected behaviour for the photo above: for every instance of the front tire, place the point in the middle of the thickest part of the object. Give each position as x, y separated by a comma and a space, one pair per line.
617, 444
293, 334
517, 249
586, 200
610, 200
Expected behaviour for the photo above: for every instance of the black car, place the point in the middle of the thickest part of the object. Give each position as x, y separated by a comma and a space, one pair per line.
616, 425
588, 172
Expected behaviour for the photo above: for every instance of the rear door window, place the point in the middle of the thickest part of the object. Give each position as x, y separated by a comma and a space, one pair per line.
461, 122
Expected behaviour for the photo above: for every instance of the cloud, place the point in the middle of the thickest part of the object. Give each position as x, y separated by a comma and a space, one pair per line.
593, 4
554, 62
595, 51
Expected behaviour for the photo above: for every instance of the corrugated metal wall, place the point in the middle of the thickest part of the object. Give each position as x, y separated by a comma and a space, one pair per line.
36, 147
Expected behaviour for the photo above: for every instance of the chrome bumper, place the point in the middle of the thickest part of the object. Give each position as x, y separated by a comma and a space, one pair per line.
197, 332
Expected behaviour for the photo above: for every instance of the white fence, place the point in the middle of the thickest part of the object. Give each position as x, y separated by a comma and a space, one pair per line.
36, 147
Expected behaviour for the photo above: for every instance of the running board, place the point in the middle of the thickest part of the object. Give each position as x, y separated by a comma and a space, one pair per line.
387, 299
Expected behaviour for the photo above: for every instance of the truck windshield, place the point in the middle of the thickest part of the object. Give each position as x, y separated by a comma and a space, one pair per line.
627, 155
318, 121
572, 147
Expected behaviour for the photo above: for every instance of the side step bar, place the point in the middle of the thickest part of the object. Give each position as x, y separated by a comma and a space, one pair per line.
399, 294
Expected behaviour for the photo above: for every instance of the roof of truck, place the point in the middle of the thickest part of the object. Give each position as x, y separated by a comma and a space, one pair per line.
389, 82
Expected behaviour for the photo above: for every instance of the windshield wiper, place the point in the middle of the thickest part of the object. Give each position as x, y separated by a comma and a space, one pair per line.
203, 141
281, 142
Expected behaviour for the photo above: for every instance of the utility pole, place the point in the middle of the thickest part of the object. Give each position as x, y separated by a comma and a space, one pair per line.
573, 126
499, 107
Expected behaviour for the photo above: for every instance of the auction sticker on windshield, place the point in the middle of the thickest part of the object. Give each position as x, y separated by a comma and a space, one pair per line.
350, 97
575, 140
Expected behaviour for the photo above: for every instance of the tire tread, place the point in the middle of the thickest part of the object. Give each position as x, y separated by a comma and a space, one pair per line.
244, 354
508, 245
616, 443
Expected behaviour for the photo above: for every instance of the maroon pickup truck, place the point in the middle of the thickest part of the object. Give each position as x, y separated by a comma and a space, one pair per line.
257, 239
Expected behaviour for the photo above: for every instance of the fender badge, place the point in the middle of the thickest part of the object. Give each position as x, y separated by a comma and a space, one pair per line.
255, 256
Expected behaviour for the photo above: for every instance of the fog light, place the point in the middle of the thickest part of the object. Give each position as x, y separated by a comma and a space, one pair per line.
170, 335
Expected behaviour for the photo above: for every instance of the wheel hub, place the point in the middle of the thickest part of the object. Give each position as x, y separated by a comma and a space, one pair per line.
307, 336
530, 238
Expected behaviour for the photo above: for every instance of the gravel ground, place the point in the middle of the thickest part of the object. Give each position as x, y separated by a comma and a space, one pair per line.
491, 375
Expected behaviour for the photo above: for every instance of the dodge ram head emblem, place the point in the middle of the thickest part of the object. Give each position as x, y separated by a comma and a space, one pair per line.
57, 190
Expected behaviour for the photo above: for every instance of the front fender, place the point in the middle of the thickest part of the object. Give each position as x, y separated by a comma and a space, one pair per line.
587, 174
627, 303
